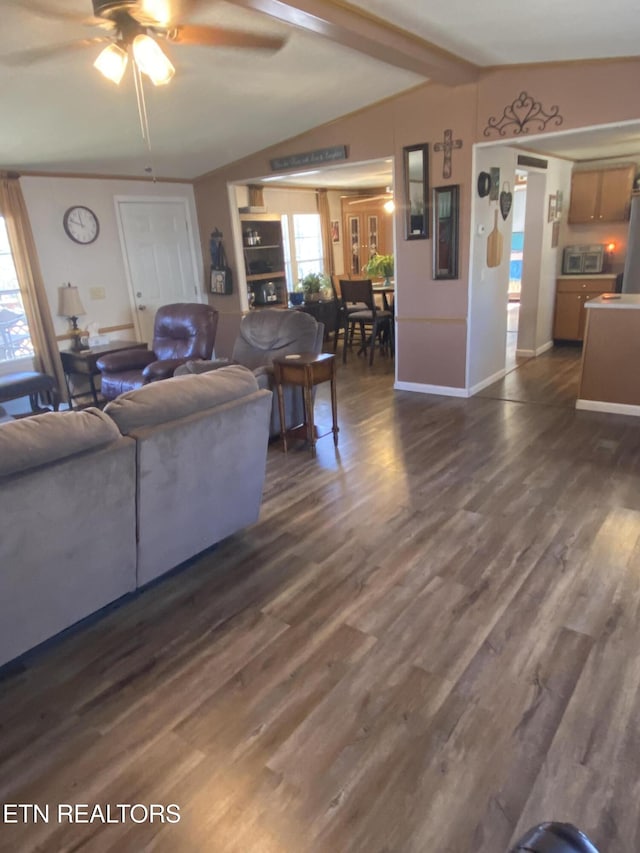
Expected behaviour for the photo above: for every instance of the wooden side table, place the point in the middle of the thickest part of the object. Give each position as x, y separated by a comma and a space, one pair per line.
83, 362
305, 370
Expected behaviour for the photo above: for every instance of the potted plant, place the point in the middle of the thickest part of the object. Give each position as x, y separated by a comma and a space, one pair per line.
315, 286
380, 266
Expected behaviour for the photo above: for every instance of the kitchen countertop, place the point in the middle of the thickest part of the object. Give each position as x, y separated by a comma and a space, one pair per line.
623, 300
605, 276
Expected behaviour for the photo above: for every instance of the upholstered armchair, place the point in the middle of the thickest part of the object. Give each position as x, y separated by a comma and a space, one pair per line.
182, 331
264, 335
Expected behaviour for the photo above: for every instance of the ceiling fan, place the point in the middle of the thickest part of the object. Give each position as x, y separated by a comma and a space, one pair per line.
389, 204
137, 28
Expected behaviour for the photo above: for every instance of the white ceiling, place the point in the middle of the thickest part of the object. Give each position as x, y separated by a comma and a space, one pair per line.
504, 32
60, 115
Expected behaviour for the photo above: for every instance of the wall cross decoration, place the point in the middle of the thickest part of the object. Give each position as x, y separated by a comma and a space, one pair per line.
522, 115
447, 147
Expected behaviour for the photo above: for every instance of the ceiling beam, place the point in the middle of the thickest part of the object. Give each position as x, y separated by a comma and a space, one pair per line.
368, 34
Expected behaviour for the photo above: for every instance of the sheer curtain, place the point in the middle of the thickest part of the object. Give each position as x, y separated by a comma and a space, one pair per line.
34, 297
325, 228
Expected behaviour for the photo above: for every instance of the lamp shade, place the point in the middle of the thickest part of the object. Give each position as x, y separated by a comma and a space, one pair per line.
69, 304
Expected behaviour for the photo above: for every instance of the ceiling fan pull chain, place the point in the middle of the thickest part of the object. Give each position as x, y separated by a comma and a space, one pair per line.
144, 119
142, 107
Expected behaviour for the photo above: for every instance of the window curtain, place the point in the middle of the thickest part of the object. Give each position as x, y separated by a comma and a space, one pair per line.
34, 296
325, 230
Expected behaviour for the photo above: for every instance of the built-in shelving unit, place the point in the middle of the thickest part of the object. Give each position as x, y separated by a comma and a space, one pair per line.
263, 251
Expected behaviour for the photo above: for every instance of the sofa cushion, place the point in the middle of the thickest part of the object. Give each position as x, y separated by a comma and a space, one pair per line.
179, 397
30, 442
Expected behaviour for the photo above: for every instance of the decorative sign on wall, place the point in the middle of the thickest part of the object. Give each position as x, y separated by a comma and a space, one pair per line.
506, 199
310, 158
521, 116
494, 192
447, 147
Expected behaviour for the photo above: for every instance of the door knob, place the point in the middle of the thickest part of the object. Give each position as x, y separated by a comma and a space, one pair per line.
142, 307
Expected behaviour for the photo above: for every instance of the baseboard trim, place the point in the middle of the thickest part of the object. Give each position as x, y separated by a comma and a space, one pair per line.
480, 386
441, 390
610, 408
534, 353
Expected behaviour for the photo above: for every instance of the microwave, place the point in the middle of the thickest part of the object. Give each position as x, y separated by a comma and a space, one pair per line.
578, 260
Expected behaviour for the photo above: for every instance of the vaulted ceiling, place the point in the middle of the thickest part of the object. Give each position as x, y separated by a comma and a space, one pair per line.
60, 115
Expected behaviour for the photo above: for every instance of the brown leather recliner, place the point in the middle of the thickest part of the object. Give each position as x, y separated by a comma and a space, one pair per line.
182, 331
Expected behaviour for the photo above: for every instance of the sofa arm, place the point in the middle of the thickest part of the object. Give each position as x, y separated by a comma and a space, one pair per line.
161, 369
126, 359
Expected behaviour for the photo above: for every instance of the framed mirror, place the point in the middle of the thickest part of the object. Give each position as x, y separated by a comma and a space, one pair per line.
446, 201
416, 191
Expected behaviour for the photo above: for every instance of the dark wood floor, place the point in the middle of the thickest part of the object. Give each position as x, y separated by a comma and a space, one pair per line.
427, 644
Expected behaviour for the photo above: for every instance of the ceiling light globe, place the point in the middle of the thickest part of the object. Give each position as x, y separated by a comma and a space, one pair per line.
151, 60
112, 63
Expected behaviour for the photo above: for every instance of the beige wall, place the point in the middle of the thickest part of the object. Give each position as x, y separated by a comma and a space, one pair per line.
100, 264
432, 315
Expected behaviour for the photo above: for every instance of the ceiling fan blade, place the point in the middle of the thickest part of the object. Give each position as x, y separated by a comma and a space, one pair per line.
371, 198
219, 37
37, 54
45, 11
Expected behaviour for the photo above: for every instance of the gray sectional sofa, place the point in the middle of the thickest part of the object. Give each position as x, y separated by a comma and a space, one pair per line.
96, 504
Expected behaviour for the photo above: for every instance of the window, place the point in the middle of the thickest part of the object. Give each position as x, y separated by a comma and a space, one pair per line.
15, 341
303, 246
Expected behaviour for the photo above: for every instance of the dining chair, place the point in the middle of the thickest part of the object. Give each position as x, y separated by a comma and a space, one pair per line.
360, 309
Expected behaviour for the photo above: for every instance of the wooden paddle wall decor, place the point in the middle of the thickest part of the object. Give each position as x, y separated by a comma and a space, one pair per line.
495, 243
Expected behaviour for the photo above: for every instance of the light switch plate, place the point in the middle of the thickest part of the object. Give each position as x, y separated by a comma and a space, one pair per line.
96, 292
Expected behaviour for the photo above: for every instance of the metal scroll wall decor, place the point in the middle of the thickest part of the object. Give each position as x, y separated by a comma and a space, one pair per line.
522, 115
447, 147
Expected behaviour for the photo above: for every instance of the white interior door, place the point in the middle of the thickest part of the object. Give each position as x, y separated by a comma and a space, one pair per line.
159, 256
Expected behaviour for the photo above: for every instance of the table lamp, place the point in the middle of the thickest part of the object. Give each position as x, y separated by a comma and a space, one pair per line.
70, 306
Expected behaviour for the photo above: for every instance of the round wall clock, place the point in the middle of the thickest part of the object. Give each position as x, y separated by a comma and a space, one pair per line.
81, 224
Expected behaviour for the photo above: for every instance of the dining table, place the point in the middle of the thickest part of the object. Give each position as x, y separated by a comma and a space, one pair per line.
385, 290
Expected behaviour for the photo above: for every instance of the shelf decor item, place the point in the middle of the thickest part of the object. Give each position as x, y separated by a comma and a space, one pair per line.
221, 280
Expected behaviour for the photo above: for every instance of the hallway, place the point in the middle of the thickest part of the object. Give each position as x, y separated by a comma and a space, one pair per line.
551, 379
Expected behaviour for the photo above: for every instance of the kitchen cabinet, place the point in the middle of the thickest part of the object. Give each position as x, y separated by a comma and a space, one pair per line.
572, 292
367, 229
263, 251
601, 195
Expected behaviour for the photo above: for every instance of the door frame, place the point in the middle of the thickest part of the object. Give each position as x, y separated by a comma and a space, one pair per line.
127, 199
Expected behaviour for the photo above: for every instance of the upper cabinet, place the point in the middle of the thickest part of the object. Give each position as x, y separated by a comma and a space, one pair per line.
601, 195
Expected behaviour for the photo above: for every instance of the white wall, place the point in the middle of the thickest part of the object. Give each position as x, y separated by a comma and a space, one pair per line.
541, 265
488, 286
99, 264
542, 262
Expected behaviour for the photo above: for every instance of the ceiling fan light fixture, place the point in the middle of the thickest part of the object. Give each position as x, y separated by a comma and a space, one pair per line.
152, 61
112, 63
